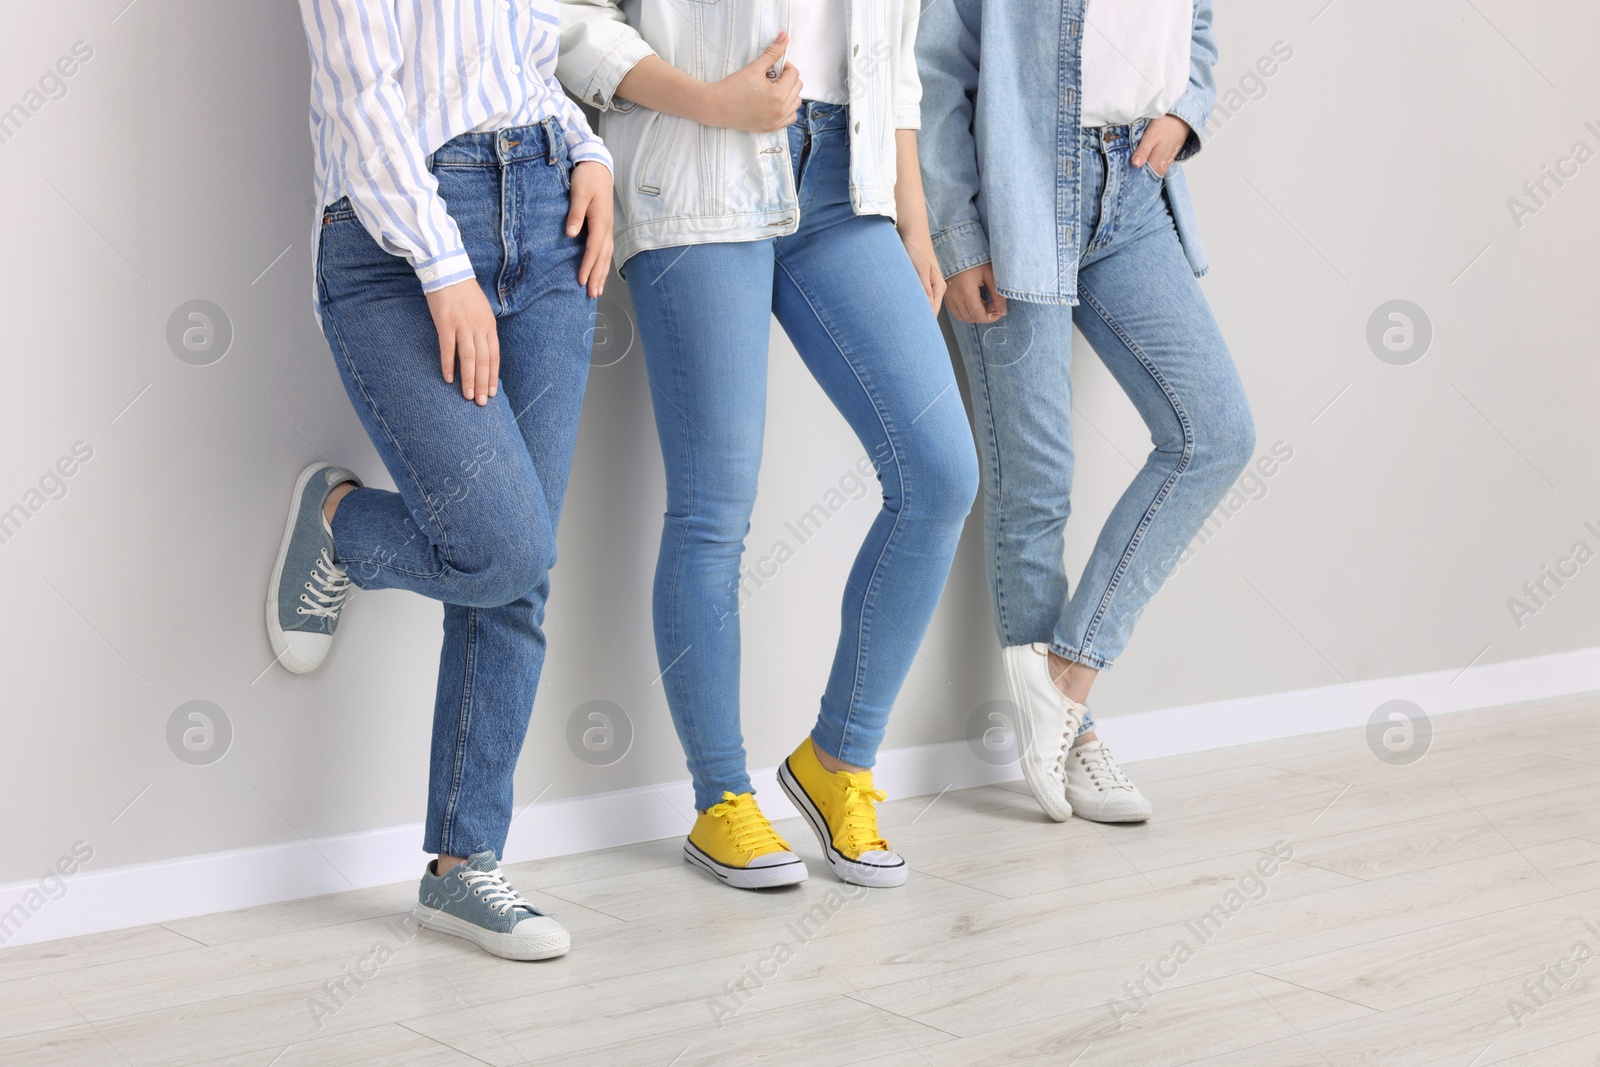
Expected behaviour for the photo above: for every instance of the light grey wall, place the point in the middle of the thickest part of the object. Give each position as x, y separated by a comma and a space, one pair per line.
1373, 165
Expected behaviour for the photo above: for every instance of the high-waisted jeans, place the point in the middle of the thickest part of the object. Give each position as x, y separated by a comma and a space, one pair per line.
845, 292
1144, 314
474, 521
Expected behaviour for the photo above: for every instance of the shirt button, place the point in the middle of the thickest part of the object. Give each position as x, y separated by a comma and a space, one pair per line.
428, 275
516, 69
505, 6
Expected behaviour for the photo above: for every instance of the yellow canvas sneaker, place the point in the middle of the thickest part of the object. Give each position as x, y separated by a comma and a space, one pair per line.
842, 808
735, 842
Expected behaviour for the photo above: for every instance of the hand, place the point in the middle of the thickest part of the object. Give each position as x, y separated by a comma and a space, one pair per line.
973, 296
468, 334
591, 206
751, 99
1163, 139
919, 246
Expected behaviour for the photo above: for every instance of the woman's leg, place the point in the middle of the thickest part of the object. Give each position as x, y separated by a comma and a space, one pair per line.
473, 523
1146, 317
849, 299
705, 317
1019, 372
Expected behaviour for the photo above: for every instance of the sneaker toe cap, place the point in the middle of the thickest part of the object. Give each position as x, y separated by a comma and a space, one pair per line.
879, 858
304, 652
1118, 805
537, 926
774, 859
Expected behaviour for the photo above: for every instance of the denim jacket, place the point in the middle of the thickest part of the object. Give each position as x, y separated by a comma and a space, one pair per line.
999, 143
679, 182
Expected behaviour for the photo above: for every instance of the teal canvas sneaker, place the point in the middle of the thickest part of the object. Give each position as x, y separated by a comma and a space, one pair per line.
473, 900
308, 588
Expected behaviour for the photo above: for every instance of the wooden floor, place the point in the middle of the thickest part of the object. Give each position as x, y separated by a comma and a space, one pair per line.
1443, 913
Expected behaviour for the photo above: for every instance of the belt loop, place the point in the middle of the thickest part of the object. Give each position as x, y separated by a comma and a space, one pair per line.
550, 131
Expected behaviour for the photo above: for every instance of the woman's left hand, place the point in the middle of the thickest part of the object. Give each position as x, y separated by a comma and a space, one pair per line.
919, 246
591, 206
1163, 139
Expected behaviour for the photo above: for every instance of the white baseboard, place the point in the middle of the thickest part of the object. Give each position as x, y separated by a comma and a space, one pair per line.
95, 900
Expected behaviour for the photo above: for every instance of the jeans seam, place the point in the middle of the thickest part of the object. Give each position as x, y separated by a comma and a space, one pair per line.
670, 686
1137, 537
1002, 620
463, 728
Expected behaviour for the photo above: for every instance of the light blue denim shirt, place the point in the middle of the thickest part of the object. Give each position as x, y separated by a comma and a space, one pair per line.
999, 141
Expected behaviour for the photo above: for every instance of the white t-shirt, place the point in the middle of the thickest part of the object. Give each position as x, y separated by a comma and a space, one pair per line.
1135, 59
818, 43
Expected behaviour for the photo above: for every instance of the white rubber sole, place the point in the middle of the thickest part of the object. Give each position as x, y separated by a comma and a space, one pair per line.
506, 946
1113, 813
1044, 791
789, 873
871, 875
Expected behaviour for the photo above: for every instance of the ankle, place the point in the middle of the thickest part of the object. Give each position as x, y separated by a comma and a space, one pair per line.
336, 494
832, 765
1084, 738
443, 865
1071, 678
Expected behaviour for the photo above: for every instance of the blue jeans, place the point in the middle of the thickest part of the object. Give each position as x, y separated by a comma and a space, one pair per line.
845, 292
1144, 314
474, 521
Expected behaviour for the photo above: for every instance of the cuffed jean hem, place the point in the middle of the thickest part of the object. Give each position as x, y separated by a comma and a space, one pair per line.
1076, 655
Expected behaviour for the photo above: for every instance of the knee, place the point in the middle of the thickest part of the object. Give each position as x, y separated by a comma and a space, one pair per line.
505, 566
723, 523
1225, 439
940, 478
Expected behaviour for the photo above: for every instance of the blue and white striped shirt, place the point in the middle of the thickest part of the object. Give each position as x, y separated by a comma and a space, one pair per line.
393, 80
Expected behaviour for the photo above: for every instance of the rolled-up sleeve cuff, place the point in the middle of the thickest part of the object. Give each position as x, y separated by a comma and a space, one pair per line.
961, 247
443, 270
908, 117
611, 69
1192, 110
592, 151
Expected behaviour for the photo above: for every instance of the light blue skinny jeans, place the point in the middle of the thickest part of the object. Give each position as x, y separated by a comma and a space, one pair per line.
845, 292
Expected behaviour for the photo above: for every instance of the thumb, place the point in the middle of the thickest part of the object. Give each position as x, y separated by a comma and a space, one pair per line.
774, 51
996, 301
576, 213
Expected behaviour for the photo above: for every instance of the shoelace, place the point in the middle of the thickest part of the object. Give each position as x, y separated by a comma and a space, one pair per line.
750, 830
1069, 734
859, 830
494, 890
1100, 763
335, 586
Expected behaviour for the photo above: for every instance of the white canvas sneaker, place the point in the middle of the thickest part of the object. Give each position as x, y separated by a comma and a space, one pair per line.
1047, 723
